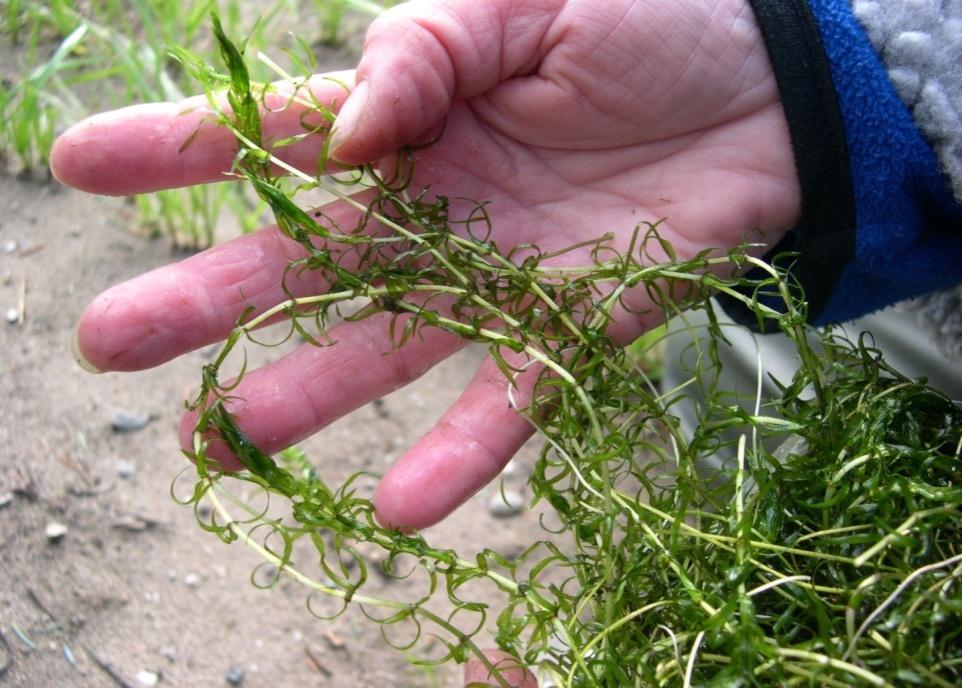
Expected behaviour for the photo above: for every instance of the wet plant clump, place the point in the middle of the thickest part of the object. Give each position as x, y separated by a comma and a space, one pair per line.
831, 559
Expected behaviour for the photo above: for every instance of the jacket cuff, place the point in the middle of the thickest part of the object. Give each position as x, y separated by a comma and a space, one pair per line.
879, 223
825, 239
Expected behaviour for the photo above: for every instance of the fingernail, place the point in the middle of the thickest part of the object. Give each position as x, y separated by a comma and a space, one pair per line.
349, 116
79, 357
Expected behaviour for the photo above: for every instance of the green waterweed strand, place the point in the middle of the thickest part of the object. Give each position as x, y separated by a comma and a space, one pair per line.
835, 562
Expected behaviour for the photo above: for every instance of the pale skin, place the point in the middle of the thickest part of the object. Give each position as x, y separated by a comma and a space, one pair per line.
570, 118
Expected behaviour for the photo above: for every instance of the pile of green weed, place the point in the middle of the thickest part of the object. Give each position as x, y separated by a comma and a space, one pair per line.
833, 560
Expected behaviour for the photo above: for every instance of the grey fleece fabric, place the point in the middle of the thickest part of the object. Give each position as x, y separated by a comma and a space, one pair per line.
920, 42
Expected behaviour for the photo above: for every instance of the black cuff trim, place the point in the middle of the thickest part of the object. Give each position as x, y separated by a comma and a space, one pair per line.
825, 239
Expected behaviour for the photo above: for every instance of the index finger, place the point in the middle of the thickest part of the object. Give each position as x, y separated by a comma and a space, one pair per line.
156, 146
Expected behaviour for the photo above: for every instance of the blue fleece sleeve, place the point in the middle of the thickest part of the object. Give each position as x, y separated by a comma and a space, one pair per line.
908, 233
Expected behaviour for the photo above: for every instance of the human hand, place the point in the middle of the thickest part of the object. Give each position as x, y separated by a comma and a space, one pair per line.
571, 118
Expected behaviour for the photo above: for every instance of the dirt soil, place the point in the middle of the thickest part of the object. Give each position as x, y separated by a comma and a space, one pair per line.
130, 591
134, 587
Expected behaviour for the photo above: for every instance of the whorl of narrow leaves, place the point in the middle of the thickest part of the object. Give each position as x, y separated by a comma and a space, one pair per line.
832, 560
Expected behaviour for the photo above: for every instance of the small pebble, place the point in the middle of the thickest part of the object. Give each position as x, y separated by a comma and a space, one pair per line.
5, 498
125, 469
130, 421
333, 639
168, 652
505, 505
69, 656
130, 523
234, 676
191, 580
55, 531
12, 315
147, 678
11, 246
511, 468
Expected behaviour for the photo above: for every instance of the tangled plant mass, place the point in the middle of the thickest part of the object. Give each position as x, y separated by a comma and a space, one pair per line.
836, 562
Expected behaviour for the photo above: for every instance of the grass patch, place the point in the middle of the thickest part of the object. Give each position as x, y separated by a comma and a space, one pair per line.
79, 58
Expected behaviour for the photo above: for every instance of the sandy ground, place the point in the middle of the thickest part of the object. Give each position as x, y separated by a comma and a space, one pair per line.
134, 585
133, 592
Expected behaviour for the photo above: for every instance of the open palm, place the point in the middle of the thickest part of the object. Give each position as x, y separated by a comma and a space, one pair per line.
570, 118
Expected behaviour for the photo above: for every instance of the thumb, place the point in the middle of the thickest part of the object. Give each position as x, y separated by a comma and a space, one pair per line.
421, 56
506, 667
